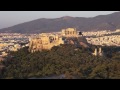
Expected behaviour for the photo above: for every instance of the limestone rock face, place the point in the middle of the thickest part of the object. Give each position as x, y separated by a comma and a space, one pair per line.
83, 42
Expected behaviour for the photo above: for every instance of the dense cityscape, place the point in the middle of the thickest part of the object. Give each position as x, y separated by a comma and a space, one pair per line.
16, 41
12, 42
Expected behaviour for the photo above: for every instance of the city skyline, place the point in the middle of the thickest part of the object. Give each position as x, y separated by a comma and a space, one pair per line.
10, 18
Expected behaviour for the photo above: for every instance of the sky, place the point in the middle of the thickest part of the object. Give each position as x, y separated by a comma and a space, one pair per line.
10, 18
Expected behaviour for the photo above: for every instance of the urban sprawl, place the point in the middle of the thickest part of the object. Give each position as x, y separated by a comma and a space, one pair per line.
15, 41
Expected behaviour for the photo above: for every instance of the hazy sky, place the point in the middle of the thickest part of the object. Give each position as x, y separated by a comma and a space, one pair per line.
10, 18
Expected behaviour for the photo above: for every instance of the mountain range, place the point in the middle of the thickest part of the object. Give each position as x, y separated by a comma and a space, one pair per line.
101, 22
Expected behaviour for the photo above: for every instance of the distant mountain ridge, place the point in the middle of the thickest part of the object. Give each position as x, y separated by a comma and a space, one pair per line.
101, 22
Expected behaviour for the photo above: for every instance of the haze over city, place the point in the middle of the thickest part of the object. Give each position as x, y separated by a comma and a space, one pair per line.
10, 18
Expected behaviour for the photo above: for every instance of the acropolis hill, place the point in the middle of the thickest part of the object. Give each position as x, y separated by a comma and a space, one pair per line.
46, 41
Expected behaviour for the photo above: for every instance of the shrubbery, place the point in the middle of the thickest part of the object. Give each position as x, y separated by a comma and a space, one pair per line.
64, 59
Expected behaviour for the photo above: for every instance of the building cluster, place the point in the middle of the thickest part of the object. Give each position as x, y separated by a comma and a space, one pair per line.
103, 38
113, 40
12, 42
100, 33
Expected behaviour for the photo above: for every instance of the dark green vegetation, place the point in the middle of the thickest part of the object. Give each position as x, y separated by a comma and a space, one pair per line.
102, 22
65, 59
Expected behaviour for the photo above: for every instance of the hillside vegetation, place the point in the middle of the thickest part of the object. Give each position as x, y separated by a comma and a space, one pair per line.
64, 59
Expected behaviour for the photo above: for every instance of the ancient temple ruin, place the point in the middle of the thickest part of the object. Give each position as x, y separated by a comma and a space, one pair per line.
45, 41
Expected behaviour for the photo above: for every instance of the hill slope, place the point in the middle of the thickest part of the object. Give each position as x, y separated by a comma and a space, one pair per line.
101, 22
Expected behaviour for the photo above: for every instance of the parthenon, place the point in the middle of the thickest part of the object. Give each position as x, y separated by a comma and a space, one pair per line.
69, 32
